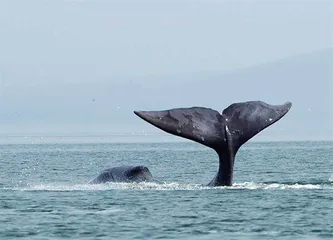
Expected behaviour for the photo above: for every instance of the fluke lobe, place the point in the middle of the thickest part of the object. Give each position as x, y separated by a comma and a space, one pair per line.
225, 133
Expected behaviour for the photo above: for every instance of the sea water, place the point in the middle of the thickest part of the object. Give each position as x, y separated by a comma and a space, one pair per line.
282, 190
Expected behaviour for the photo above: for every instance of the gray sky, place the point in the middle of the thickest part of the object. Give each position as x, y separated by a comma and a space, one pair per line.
57, 56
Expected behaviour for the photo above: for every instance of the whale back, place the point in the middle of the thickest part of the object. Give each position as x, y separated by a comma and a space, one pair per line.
123, 174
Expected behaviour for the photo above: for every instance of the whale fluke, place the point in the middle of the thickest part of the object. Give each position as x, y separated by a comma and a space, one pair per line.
225, 133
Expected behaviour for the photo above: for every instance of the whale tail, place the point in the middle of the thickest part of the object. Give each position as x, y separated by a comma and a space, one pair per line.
225, 133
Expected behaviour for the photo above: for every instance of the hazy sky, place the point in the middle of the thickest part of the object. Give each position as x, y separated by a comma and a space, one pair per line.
117, 38
47, 45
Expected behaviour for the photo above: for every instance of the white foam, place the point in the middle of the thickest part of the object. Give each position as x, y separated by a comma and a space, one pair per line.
331, 178
108, 211
255, 186
172, 186
112, 186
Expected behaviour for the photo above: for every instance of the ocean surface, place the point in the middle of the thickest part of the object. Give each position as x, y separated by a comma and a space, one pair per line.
282, 190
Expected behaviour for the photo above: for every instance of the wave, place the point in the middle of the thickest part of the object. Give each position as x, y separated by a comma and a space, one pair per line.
172, 186
106, 211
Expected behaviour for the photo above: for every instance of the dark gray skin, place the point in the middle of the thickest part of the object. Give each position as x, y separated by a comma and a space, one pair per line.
123, 174
225, 133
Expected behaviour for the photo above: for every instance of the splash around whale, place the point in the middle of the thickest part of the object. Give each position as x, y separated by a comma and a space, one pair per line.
224, 132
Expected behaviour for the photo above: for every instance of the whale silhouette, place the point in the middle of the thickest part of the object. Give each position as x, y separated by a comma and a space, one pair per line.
225, 132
